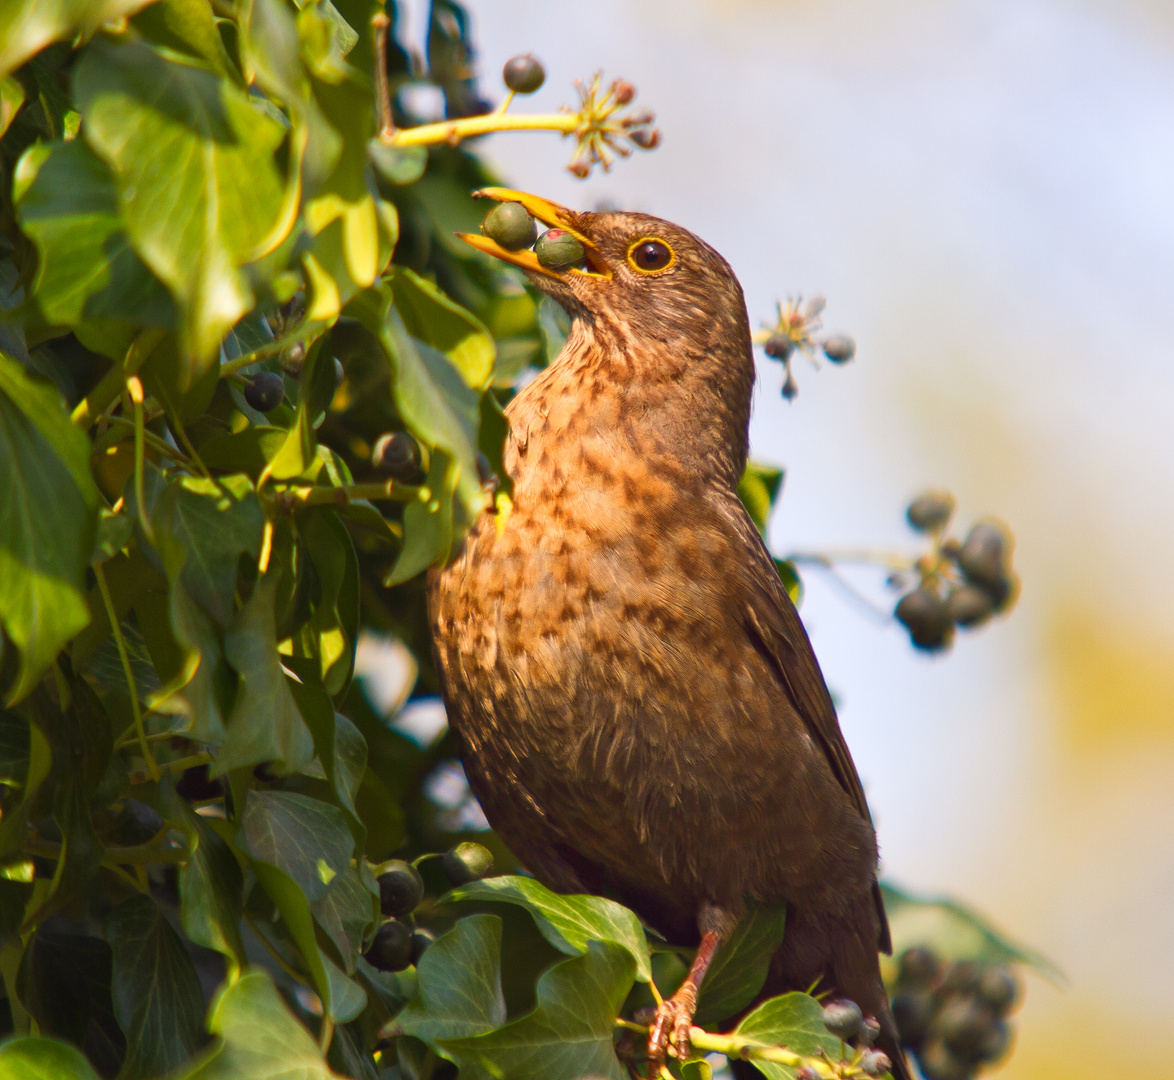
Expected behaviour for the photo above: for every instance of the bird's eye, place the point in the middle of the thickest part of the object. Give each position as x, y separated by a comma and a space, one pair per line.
650, 256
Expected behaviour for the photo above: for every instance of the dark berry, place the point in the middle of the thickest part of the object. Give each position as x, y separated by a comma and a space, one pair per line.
421, 939
875, 1062
994, 1045
930, 510
919, 966
779, 346
843, 1018
968, 605
924, 614
137, 823
963, 1024
339, 373
913, 1010
467, 862
523, 74
400, 889
485, 473
939, 1063
839, 348
790, 387
870, 1030
265, 391
557, 249
391, 950
961, 976
397, 455
645, 138
510, 225
983, 552
999, 989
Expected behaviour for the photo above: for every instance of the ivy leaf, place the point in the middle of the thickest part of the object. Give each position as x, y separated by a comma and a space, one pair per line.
33, 1057
48, 515
569, 923
741, 964
433, 318
264, 724
460, 984
156, 992
758, 489
303, 837
26, 28
570, 1032
67, 202
261, 1038
347, 912
199, 189
794, 1021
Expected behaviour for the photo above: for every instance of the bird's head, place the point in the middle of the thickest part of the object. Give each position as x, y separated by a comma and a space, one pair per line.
640, 274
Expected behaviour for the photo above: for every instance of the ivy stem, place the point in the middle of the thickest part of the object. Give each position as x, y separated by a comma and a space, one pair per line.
153, 441
321, 495
178, 765
134, 387
106, 392
453, 131
327, 1032
136, 711
380, 24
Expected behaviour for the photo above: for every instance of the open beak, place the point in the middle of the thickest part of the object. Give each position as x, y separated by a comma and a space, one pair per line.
551, 215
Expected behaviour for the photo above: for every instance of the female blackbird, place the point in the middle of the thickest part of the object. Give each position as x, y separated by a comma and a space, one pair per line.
639, 708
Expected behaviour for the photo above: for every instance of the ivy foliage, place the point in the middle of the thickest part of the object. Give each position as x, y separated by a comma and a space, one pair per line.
196, 792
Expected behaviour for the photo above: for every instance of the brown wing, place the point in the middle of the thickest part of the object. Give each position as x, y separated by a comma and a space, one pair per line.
777, 631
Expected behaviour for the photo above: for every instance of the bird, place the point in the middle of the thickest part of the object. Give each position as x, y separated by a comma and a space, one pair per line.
639, 709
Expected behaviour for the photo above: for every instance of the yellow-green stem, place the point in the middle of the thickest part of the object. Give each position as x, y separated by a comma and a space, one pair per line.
453, 131
136, 711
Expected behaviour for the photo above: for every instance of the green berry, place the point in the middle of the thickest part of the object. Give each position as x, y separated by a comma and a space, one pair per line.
265, 391
398, 455
523, 74
983, 553
779, 346
510, 225
467, 862
924, 614
839, 348
391, 950
919, 966
968, 605
843, 1018
401, 888
557, 249
930, 511
999, 989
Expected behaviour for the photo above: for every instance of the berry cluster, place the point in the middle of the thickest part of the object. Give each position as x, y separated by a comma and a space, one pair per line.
511, 225
399, 943
797, 327
960, 583
844, 1019
953, 1016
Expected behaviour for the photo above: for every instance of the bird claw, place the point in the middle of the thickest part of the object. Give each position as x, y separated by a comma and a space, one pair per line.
670, 1030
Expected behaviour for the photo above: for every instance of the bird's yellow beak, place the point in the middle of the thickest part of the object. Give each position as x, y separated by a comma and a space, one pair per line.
550, 214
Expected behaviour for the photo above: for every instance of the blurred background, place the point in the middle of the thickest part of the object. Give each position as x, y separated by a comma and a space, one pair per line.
985, 195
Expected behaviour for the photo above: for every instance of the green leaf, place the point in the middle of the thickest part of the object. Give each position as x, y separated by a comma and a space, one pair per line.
261, 1038
193, 160
433, 318
32, 1057
303, 837
186, 26
460, 984
569, 923
741, 964
12, 98
347, 913
64, 983
334, 623
955, 932
205, 526
67, 203
26, 28
428, 526
398, 165
264, 724
758, 489
157, 995
48, 514
794, 1021
571, 1031
792, 582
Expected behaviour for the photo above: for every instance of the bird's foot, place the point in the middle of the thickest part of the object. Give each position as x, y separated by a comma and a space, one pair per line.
669, 1032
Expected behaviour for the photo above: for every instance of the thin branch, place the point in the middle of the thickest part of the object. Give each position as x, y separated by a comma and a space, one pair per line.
380, 24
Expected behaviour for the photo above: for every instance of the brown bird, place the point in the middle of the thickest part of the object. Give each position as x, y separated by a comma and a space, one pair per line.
640, 711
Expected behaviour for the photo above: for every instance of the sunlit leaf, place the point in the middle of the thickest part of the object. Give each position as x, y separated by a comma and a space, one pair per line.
26, 28
794, 1021
32, 1057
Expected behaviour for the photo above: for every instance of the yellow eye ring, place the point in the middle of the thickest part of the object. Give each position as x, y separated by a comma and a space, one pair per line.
650, 250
